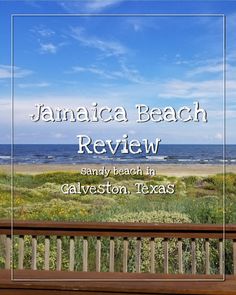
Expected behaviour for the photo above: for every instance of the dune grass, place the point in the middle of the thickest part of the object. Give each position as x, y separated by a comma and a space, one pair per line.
38, 197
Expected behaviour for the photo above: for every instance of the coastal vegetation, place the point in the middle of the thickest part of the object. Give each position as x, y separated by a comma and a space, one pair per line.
39, 197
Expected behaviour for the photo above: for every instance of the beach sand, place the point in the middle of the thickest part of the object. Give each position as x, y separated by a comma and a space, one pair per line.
167, 169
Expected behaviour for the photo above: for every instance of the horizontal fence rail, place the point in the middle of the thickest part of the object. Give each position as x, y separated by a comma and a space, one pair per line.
118, 247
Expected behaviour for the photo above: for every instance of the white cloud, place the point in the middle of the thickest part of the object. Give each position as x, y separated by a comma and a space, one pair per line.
217, 68
46, 38
5, 72
93, 70
89, 6
125, 72
219, 136
43, 31
192, 89
109, 48
32, 3
131, 74
48, 48
33, 85
59, 135
98, 5
139, 24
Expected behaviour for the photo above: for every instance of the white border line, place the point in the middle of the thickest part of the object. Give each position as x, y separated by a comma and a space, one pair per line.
12, 145
120, 14
137, 1
224, 140
12, 141
145, 1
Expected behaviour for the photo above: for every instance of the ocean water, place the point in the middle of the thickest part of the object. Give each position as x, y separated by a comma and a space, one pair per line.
167, 154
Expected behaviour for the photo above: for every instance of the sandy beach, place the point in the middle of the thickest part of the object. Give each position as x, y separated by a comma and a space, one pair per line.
168, 169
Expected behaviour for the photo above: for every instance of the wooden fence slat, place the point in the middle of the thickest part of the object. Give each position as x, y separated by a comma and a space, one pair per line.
221, 257
193, 255
8, 252
152, 255
21, 253
166, 256
180, 256
112, 255
59, 253
34, 253
98, 255
234, 257
72, 254
125, 254
207, 248
46, 252
85, 254
138, 255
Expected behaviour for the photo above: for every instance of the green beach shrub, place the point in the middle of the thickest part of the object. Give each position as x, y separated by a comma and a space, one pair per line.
152, 217
56, 209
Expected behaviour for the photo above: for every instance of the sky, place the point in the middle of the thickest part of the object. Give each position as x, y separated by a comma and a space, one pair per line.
131, 58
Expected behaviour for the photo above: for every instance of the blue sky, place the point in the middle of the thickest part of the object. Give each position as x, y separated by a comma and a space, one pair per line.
71, 61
